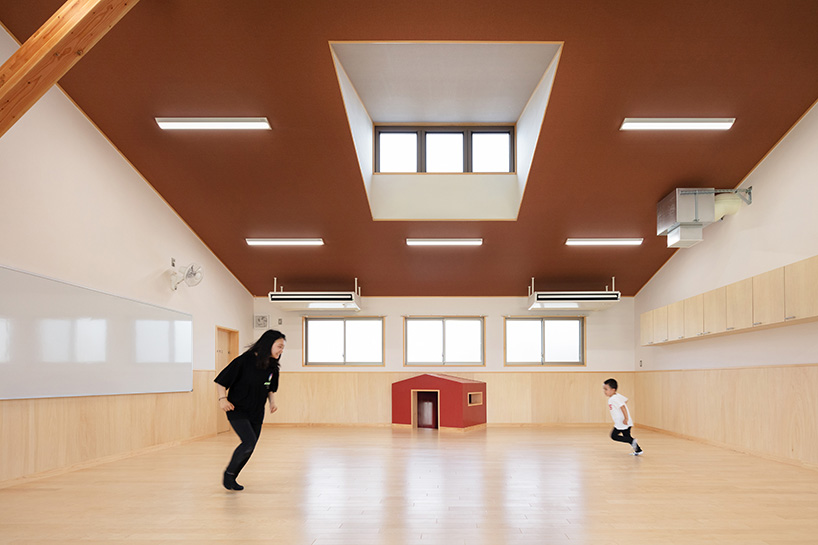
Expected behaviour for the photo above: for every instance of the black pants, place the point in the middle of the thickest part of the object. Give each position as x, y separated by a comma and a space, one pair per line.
623, 436
248, 432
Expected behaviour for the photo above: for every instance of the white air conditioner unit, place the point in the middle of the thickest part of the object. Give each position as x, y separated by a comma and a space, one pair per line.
572, 300
316, 300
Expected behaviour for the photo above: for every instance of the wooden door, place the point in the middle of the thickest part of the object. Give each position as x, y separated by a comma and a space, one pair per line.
739, 305
694, 316
801, 289
660, 325
676, 321
227, 348
646, 327
714, 305
427, 410
768, 297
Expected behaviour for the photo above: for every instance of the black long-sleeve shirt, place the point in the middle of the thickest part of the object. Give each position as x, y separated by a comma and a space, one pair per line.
247, 386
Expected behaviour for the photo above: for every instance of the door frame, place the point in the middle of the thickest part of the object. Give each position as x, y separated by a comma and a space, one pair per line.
414, 409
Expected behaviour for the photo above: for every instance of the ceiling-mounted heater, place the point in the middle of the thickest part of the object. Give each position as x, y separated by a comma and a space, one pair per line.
316, 300
572, 300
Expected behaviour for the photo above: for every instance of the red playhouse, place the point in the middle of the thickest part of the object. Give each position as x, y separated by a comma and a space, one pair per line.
439, 401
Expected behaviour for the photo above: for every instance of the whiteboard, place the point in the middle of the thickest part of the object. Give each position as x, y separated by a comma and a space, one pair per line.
59, 339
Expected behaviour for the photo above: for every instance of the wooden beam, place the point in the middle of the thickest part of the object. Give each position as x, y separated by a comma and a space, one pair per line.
51, 52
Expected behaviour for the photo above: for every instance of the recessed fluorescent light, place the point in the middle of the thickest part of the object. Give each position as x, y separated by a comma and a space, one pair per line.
213, 123
603, 242
444, 241
285, 241
677, 123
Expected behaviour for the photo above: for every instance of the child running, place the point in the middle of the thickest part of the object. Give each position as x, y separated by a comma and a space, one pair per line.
617, 404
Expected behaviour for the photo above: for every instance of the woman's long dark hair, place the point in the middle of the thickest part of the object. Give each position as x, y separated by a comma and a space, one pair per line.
263, 346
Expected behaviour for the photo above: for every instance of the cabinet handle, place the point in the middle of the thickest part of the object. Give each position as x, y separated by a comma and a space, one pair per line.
790, 318
757, 323
680, 337
664, 340
730, 328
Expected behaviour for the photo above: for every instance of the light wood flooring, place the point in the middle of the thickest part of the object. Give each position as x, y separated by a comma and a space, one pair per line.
361, 486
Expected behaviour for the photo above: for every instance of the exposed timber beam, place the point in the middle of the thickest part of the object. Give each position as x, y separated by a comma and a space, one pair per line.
51, 52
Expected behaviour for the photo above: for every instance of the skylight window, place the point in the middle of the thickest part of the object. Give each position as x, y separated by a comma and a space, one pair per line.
398, 151
444, 152
444, 149
490, 151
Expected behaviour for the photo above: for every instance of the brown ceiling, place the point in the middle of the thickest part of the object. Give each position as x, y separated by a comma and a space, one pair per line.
754, 60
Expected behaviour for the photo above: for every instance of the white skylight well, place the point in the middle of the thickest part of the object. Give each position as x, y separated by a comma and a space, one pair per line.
213, 123
677, 124
446, 87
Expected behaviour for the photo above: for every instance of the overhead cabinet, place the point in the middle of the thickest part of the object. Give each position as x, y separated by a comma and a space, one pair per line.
739, 305
801, 289
784, 295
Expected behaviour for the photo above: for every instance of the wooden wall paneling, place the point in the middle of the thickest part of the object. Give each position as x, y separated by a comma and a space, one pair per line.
767, 411
660, 325
41, 435
714, 305
676, 321
801, 289
694, 316
739, 305
510, 398
768, 297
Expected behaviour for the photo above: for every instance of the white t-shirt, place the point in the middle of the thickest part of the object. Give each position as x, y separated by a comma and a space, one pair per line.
615, 404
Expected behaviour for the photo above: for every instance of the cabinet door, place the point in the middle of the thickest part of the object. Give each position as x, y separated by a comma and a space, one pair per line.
715, 311
676, 321
739, 299
646, 327
660, 325
801, 289
694, 316
768, 297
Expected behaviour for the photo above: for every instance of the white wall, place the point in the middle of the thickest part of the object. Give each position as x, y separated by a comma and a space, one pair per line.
609, 333
74, 209
779, 228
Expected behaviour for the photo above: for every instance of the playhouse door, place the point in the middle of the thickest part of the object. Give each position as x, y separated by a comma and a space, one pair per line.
427, 410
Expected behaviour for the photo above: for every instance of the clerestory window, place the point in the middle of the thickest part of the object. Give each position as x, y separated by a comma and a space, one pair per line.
443, 149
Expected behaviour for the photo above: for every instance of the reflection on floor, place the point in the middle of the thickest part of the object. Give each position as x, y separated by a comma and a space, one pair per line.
361, 486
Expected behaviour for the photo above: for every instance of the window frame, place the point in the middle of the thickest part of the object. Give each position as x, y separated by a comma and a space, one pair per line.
467, 131
305, 341
543, 319
407, 319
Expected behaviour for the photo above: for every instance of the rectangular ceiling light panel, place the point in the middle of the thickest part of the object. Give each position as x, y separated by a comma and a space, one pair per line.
285, 241
677, 123
444, 241
213, 123
603, 242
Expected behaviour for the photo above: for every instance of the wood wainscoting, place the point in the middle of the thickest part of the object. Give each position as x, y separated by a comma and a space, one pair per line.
766, 411
512, 397
39, 436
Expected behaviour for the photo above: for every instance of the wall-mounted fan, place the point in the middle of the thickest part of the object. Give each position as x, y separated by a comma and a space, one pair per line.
191, 275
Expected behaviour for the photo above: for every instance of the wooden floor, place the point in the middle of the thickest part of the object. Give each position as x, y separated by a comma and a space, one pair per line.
361, 486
